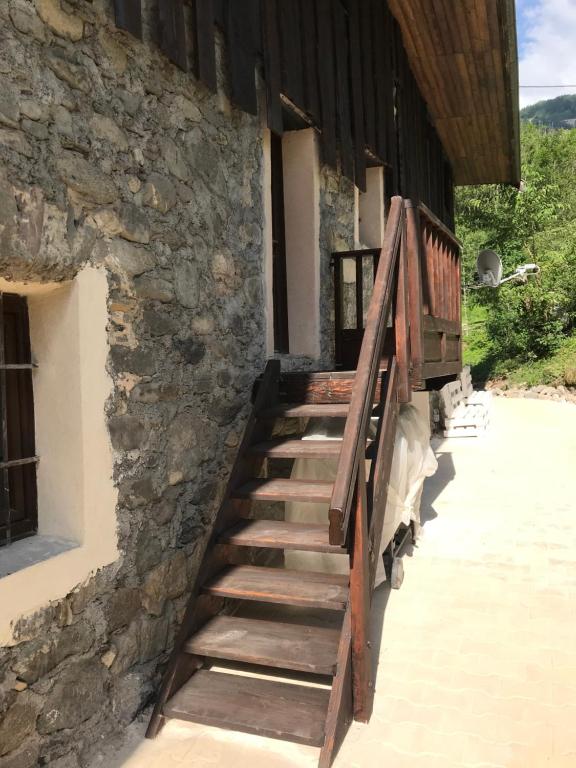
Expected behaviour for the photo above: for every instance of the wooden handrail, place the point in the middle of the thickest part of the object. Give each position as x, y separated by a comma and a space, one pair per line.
362, 400
435, 222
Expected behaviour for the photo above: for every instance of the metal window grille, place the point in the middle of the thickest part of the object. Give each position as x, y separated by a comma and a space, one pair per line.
18, 460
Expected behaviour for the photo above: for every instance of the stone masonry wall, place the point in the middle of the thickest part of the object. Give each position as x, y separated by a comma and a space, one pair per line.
111, 156
336, 234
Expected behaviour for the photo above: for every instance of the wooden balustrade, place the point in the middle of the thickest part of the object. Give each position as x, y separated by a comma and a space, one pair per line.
417, 285
434, 289
357, 507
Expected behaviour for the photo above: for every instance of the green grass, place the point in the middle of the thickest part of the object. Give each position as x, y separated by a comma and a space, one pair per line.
558, 368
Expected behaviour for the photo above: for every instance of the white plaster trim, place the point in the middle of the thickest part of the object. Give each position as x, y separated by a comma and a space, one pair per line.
371, 209
35, 549
76, 494
302, 217
267, 241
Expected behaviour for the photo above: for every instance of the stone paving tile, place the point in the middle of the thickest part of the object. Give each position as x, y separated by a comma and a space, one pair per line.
476, 654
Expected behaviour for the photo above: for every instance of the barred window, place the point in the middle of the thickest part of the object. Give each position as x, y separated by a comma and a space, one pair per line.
18, 493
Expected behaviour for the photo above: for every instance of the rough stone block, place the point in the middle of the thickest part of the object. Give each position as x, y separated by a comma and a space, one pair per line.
148, 549
166, 581
86, 179
16, 140
9, 110
128, 222
68, 71
126, 432
123, 606
159, 193
26, 21
17, 724
27, 757
45, 653
78, 694
61, 23
130, 695
148, 287
106, 129
131, 259
159, 324
187, 283
135, 361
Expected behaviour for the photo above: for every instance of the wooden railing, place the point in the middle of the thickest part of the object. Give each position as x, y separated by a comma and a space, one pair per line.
411, 332
358, 503
434, 289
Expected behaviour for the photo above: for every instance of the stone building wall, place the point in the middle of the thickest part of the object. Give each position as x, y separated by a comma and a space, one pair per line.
336, 234
111, 157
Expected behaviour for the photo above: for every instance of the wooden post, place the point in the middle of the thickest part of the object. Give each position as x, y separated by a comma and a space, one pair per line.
415, 312
402, 327
381, 465
362, 683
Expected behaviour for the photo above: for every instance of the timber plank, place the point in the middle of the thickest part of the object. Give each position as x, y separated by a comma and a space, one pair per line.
357, 95
280, 585
252, 705
341, 47
305, 411
326, 67
308, 28
128, 16
173, 32
280, 489
244, 43
272, 65
278, 534
268, 643
204, 43
291, 46
283, 448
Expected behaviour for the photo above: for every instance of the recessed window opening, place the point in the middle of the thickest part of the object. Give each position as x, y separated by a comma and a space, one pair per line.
279, 281
18, 492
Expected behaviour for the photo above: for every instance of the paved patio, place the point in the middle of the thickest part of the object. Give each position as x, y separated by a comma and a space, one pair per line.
477, 651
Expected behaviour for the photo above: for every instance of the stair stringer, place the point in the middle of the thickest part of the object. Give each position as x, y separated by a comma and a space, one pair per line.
341, 705
200, 608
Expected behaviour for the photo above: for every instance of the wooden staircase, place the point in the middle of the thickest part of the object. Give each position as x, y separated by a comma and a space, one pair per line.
285, 653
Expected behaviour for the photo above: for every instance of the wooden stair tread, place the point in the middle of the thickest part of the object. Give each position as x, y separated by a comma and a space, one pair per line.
287, 410
252, 705
280, 585
268, 643
283, 448
280, 489
278, 534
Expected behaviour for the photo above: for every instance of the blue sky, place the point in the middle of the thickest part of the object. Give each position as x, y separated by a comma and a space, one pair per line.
547, 47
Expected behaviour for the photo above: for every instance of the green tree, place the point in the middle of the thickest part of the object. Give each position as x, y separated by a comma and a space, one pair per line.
534, 225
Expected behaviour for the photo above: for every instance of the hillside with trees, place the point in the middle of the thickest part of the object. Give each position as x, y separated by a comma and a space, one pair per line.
526, 332
553, 113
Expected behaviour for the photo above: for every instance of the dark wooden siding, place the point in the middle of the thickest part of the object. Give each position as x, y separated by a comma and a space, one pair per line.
340, 64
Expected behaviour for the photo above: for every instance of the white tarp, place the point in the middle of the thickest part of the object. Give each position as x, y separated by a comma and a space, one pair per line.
412, 462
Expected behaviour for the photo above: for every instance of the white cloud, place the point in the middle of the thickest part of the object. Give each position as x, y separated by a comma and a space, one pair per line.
548, 47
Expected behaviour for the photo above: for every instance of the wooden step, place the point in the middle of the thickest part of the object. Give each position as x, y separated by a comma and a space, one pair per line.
286, 410
280, 585
280, 489
268, 643
322, 387
284, 448
278, 534
252, 705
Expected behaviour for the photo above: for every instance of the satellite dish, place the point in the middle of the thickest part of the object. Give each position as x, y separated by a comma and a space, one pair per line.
489, 268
